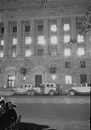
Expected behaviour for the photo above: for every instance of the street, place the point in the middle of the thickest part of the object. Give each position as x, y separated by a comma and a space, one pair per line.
53, 113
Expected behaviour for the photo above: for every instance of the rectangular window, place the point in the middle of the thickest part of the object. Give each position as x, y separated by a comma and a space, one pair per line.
14, 29
28, 40
14, 41
27, 28
40, 27
39, 51
54, 51
83, 64
2, 29
13, 53
2, 42
68, 79
41, 40
83, 79
53, 70
67, 64
1, 53
27, 53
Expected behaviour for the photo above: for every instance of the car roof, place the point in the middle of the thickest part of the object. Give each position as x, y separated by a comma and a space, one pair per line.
48, 83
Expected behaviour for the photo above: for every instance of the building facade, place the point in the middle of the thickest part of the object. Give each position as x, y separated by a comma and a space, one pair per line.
42, 43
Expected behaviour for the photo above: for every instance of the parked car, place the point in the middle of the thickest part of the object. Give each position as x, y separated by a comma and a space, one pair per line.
80, 90
22, 89
47, 88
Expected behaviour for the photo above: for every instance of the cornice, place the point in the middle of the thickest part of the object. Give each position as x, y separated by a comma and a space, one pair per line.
13, 14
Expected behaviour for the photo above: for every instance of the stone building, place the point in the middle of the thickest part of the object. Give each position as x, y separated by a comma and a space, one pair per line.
41, 42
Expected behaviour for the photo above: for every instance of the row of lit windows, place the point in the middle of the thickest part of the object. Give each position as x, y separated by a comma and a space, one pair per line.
42, 41
67, 52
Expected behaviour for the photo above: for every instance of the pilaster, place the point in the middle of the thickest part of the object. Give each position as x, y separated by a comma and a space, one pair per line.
73, 34
19, 37
46, 36
60, 35
32, 35
6, 38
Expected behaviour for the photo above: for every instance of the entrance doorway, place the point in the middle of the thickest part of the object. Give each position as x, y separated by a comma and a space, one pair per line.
11, 81
38, 80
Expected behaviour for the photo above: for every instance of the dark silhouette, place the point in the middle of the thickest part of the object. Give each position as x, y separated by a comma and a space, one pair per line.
31, 126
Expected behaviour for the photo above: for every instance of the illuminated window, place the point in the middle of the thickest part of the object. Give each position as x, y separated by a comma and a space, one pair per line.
54, 77
67, 52
2, 42
66, 27
28, 40
80, 38
27, 53
81, 51
66, 38
14, 53
53, 28
54, 40
68, 79
1, 53
41, 40
14, 41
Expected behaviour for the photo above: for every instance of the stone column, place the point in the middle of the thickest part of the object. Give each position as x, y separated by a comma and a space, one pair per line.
73, 34
88, 43
60, 35
19, 37
46, 33
6, 38
32, 35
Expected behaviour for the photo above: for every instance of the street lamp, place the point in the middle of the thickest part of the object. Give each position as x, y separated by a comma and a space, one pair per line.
23, 72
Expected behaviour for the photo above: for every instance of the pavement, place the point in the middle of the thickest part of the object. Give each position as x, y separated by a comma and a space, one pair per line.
53, 113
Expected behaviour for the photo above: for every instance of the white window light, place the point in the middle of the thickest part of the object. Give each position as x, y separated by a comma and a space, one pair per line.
14, 41
67, 52
81, 51
2, 42
66, 27
28, 53
28, 40
54, 76
11, 77
54, 40
41, 40
68, 79
66, 38
1, 53
14, 53
53, 28
80, 38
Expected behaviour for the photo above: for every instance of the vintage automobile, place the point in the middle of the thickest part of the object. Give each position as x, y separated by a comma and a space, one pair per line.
47, 88
22, 89
80, 90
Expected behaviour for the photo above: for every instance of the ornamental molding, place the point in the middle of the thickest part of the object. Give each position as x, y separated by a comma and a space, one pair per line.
21, 14
8, 63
